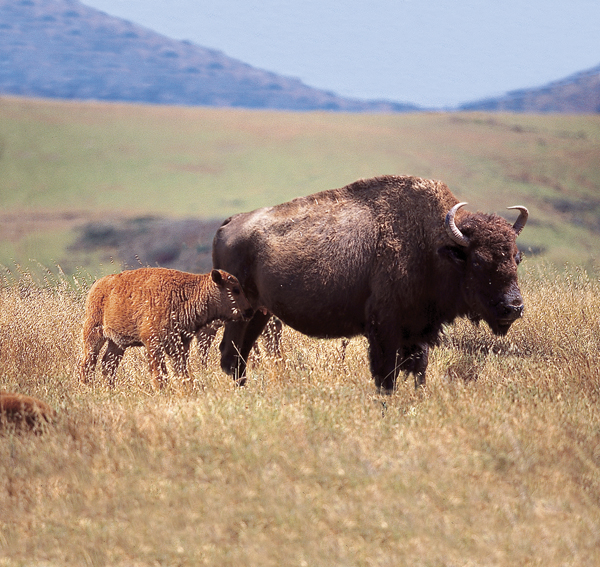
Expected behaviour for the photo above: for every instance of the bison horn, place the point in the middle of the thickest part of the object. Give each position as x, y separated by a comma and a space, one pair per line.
453, 232
520, 222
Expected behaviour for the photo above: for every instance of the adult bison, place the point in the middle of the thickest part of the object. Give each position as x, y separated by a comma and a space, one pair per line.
391, 258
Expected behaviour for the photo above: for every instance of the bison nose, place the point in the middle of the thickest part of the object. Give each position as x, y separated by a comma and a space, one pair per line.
514, 311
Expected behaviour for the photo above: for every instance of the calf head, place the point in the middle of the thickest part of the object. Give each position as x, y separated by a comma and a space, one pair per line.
233, 304
485, 252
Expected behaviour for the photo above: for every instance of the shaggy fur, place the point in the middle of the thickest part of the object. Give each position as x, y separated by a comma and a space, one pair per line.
24, 412
373, 258
160, 309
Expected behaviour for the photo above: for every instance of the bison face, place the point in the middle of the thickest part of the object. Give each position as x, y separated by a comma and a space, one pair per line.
491, 290
487, 257
234, 303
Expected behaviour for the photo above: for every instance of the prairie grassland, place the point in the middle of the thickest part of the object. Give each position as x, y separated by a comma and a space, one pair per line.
496, 462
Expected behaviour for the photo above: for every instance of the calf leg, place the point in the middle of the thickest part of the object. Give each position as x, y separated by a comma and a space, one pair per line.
92, 343
238, 339
156, 361
206, 336
111, 360
272, 335
180, 359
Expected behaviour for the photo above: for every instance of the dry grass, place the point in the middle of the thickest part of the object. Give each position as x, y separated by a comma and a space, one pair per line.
496, 462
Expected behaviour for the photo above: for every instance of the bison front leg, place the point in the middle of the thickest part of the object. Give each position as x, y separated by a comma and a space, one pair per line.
206, 336
388, 358
414, 361
382, 358
238, 339
180, 358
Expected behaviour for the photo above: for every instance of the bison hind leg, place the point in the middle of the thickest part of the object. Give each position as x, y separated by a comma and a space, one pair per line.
93, 340
156, 360
238, 339
111, 360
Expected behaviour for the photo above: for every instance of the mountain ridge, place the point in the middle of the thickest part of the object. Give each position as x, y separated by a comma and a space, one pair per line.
577, 93
65, 49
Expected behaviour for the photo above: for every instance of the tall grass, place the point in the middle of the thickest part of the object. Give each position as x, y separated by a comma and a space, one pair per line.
495, 462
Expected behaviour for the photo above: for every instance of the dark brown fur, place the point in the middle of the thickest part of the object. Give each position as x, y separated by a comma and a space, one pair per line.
158, 308
24, 412
372, 258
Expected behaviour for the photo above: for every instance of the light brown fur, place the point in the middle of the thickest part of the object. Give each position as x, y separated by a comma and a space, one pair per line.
158, 308
24, 411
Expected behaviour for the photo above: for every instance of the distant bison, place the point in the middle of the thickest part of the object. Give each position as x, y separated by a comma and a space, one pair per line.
24, 412
160, 309
391, 258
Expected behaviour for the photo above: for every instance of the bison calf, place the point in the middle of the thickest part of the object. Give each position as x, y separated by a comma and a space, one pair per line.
160, 309
24, 412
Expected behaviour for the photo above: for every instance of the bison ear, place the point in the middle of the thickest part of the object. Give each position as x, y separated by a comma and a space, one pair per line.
455, 254
216, 277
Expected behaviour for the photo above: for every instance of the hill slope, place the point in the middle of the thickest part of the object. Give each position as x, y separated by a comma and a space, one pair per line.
575, 94
64, 49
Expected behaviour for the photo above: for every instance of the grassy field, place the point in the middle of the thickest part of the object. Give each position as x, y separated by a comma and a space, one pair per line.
496, 462
65, 163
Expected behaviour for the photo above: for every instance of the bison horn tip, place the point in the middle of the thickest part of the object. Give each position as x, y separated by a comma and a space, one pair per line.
520, 222
453, 231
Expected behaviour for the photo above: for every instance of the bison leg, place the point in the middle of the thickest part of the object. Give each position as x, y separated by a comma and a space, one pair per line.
181, 357
206, 336
93, 340
388, 358
156, 361
414, 361
388, 363
272, 335
382, 356
111, 360
238, 339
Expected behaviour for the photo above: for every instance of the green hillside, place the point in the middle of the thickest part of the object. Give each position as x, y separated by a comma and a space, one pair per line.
65, 164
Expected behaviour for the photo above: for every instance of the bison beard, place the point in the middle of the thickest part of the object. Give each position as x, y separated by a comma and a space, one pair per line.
391, 258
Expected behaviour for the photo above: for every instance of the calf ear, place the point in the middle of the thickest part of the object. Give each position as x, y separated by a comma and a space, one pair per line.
453, 253
216, 277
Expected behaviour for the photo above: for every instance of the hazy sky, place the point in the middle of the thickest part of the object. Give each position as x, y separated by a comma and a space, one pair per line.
429, 52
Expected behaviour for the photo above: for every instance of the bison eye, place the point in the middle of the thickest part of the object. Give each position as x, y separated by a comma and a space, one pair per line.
236, 291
